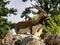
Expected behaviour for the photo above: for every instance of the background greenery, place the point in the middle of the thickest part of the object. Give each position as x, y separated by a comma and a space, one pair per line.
4, 11
52, 7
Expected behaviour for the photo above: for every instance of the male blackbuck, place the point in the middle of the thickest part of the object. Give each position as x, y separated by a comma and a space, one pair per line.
31, 23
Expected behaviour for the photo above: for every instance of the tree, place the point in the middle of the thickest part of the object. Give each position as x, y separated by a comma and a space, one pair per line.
51, 7
4, 11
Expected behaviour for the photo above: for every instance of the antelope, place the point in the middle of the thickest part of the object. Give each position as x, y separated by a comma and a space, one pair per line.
31, 23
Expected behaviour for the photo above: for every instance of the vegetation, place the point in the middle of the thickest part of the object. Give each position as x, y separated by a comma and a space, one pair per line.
51, 7
4, 11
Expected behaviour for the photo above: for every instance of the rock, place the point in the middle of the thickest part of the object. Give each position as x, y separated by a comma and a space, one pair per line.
7, 39
24, 31
17, 42
51, 39
55, 40
21, 39
28, 40
31, 41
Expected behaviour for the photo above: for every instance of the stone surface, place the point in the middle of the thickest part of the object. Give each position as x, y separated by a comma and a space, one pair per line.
24, 31
33, 42
51, 39
7, 40
25, 39
55, 40
28, 40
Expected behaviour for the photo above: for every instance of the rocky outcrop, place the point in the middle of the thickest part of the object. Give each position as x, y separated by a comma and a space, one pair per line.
7, 40
31, 41
28, 40
50, 39
25, 39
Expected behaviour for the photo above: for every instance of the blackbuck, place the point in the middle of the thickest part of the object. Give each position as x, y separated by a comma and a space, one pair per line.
31, 23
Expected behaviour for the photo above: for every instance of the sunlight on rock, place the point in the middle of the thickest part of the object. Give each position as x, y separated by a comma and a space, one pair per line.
12, 31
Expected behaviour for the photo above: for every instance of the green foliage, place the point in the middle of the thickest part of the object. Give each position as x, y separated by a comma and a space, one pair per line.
35, 17
51, 7
52, 25
57, 19
4, 11
49, 4
26, 12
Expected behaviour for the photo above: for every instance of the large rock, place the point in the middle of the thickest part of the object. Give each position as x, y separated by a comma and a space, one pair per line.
55, 40
24, 31
28, 40
7, 40
51, 39
33, 42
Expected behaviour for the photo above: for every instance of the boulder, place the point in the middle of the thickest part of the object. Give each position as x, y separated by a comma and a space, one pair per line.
28, 40
7, 40
50, 39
